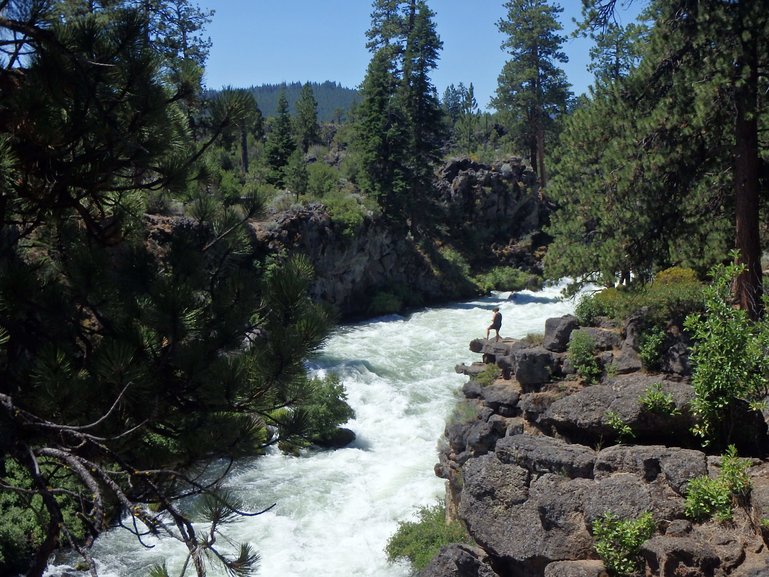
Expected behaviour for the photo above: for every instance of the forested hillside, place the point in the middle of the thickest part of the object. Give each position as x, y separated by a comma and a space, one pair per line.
334, 101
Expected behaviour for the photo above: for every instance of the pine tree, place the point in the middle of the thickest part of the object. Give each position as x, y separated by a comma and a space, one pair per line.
380, 137
130, 343
452, 101
297, 176
236, 109
403, 103
532, 90
423, 114
306, 118
280, 142
700, 72
469, 114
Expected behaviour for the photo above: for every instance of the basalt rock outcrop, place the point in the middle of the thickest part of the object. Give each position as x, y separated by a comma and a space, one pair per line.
494, 205
486, 205
538, 459
350, 269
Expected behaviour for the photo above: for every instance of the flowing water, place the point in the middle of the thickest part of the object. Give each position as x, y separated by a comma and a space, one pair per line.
335, 510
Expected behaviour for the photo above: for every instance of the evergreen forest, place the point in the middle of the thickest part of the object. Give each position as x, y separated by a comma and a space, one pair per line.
142, 337
333, 101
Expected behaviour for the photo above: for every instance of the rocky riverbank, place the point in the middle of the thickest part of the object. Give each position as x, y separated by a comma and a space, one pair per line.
537, 455
486, 209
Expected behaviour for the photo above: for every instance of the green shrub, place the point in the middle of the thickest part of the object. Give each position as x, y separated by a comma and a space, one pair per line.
322, 179
462, 413
673, 294
618, 541
676, 276
419, 541
534, 339
655, 400
651, 348
729, 359
457, 263
619, 426
346, 210
581, 353
488, 375
385, 303
708, 498
507, 278
589, 308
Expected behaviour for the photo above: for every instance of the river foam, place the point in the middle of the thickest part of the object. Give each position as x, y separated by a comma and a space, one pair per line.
335, 510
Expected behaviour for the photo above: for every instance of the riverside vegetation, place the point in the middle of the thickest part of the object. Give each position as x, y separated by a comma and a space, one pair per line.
161, 245
612, 468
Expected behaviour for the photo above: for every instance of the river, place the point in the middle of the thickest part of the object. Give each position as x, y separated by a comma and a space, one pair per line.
335, 510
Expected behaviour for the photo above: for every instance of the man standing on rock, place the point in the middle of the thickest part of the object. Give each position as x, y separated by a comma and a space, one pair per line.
496, 324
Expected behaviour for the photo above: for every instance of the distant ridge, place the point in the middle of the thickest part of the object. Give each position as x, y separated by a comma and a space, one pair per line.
334, 101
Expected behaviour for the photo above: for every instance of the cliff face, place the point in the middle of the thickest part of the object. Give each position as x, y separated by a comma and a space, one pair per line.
484, 205
351, 269
542, 458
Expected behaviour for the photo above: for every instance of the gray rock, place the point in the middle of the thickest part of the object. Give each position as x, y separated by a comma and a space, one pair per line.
676, 359
515, 426
626, 360
532, 405
759, 495
752, 568
534, 366
604, 339
472, 370
501, 398
541, 454
557, 332
675, 466
458, 560
588, 568
678, 528
520, 533
625, 495
489, 482
583, 416
672, 556
474, 437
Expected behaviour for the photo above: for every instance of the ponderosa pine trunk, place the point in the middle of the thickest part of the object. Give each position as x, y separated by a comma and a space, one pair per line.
748, 286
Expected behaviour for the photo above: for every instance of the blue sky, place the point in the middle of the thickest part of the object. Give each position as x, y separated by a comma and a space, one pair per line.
270, 41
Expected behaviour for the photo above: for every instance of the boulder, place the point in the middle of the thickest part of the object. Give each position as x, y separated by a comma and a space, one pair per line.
502, 398
628, 496
557, 332
604, 339
676, 467
588, 568
585, 415
523, 534
673, 556
341, 437
528, 483
458, 560
540, 454
534, 366
472, 438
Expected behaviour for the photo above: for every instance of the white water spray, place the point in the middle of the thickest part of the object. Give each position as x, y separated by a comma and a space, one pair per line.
335, 510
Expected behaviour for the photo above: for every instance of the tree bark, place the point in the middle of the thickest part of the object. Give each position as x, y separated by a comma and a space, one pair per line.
748, 286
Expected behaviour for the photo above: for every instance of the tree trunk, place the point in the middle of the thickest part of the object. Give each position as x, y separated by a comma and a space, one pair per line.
541, 151
244, 150
748, 287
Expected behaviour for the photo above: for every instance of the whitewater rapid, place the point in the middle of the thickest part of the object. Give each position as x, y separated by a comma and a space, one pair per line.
335, 510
